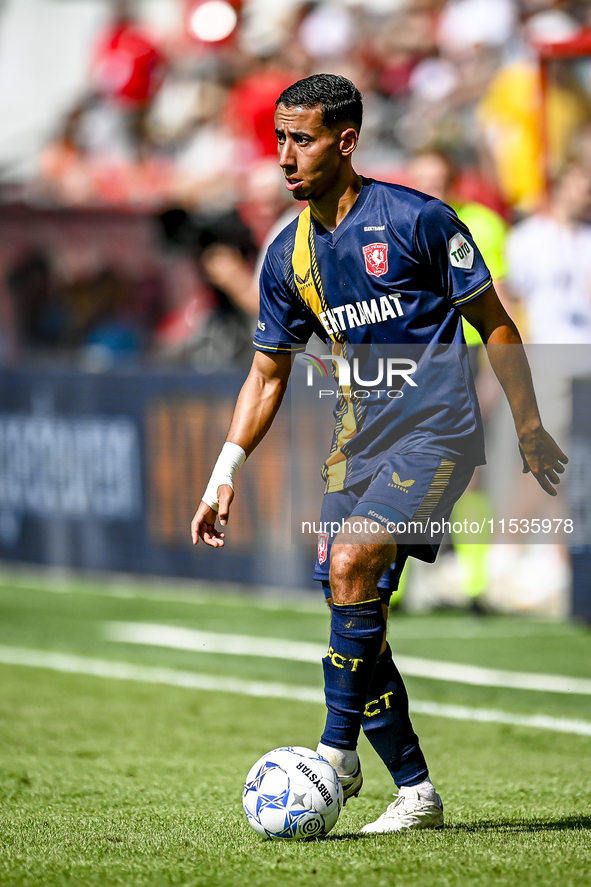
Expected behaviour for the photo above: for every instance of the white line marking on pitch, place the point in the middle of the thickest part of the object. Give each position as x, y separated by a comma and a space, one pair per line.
125, 671
211, 642
494, 716
104, 668
275, 648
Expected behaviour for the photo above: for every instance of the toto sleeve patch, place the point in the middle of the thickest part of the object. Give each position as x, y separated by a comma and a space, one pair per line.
461, 253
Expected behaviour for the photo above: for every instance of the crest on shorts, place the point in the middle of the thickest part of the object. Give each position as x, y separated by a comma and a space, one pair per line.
376, 258
322, 547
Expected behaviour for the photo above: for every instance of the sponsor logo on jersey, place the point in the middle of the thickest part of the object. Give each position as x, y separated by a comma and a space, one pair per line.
304, 281
375, 228
376, 258
401, 485
260, 326
354, 314
461, 254
322, 547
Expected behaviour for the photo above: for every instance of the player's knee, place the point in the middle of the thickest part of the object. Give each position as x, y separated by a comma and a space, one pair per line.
353, 576
343, 565
355, 571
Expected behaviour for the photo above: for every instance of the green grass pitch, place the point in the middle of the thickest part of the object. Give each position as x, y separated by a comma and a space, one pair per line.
114, 782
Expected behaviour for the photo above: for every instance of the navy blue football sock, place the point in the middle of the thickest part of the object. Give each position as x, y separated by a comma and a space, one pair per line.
356, 633
386, 723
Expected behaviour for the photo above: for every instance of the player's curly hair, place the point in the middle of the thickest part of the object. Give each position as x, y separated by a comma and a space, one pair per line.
340, 100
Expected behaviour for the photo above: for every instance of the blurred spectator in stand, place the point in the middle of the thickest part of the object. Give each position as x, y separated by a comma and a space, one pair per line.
509, 114
103, 154
63, 163
445, 86
210, 157
222, 245
388, 53
549, 258
467, 23
38, 317
228, 249
265, 199
126, 72
189, 301
250, 109
326, 30
99, 316
127, 67
97, 322
266, 207
550, 261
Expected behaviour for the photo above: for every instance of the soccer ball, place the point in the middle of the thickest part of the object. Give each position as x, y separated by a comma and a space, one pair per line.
292, 793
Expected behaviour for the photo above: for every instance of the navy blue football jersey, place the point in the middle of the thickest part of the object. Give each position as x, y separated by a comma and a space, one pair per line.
389, 277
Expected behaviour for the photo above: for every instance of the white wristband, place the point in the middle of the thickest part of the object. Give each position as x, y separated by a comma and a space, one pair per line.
230, 460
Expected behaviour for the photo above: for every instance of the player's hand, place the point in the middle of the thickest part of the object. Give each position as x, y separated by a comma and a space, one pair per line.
543, 457
203, 524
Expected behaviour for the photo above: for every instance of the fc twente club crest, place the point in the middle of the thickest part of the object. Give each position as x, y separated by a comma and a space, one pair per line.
322, 547
376, 258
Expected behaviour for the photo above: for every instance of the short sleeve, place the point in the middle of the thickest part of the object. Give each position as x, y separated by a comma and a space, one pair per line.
445, 243
285, 323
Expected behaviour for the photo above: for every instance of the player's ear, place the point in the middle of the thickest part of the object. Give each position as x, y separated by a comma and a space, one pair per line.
349, 139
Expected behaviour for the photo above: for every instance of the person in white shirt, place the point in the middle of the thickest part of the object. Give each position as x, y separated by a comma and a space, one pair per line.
549, 258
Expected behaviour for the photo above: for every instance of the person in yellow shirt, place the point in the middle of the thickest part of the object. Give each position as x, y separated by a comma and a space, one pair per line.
510, 119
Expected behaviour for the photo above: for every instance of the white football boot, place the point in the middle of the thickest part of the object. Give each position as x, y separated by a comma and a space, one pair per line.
414, 807
348, 768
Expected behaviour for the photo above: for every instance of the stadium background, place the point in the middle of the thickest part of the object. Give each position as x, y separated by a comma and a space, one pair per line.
138, 191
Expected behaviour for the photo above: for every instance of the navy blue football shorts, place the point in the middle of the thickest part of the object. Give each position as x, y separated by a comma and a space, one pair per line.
410, 495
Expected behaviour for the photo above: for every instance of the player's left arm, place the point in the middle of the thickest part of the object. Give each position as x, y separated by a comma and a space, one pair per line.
540, 453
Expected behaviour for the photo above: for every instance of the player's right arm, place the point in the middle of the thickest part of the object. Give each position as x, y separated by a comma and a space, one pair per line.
256, 407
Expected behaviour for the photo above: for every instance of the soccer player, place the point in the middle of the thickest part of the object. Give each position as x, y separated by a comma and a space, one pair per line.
373, 264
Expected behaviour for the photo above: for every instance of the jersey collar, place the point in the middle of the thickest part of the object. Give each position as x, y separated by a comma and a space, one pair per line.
332, 238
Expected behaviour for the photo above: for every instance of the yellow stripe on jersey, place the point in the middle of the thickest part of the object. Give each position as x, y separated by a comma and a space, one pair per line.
309, 284
305, 269
337, 467
475, 293
283, 349
301, 261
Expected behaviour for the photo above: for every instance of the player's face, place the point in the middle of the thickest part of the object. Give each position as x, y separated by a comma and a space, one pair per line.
431, 174
311, 154
575, 192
